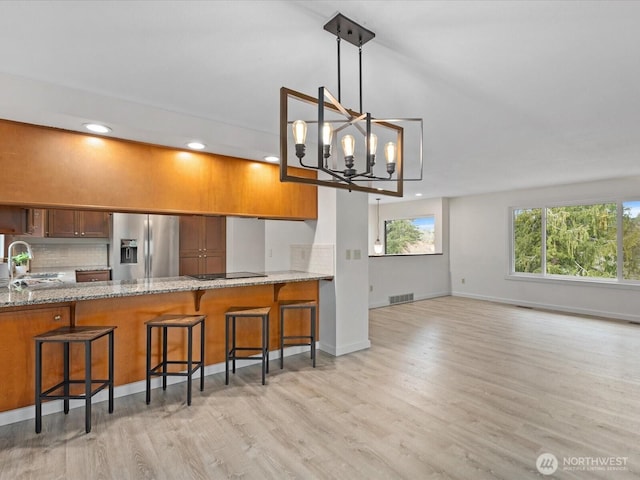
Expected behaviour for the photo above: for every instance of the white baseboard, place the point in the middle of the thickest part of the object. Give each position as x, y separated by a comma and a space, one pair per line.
56, 406
549, 306
336, 351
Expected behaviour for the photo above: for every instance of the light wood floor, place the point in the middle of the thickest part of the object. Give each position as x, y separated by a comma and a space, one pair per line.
451, 388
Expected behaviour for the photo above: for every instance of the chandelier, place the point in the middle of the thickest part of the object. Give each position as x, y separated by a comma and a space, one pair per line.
308, 123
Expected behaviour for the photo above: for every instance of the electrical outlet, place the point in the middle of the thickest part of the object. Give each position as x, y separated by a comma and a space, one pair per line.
357, 254
462, 280
348, 256
371, 288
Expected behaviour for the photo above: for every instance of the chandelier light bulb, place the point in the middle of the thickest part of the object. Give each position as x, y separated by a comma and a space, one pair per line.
348, 145
373, 144
327, 134
299, 132
390, 152
377, 247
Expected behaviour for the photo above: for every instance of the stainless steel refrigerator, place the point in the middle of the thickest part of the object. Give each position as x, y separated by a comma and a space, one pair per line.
144, 246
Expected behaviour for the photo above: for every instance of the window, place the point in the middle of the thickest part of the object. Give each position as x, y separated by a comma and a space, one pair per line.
527, 227
412, 236
578, 241
631, 240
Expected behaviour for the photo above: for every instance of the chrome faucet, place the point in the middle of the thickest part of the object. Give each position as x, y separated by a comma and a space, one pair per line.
10, 261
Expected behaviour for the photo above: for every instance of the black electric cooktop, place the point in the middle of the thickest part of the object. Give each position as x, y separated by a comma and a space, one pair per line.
226, 276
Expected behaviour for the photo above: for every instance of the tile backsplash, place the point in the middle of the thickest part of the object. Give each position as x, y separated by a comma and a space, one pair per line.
313, 258
63, 255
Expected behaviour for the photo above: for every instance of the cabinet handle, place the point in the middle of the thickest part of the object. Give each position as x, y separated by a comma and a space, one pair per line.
82, 233
75, 233
57, 318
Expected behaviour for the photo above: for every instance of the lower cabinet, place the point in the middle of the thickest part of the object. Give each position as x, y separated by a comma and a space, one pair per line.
17, 355
93, 275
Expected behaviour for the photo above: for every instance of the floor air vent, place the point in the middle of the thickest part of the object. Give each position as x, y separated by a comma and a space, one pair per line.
405, 297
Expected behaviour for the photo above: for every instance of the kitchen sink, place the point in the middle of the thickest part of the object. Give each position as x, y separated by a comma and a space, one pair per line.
35, 280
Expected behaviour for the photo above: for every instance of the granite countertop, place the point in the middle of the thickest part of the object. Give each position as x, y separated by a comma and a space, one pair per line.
69, 292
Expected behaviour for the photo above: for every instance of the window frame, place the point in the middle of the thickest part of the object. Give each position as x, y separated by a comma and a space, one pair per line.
411, 218
619, 281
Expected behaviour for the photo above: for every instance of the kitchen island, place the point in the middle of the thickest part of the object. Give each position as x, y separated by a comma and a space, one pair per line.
127, 305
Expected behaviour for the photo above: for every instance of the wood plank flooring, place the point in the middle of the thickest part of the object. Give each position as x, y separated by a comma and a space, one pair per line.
451, 388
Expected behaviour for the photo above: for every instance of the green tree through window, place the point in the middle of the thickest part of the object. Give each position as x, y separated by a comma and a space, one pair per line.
527, 240
400, 234
579, 241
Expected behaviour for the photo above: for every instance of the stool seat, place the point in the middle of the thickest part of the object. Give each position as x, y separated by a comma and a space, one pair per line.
298, 340
66, 336
164, 322
231, 315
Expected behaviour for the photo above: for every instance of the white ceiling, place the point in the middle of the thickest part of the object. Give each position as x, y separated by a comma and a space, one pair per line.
513, 94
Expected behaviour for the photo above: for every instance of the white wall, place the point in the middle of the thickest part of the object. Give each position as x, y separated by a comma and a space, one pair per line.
426, 276
479, 242
280, 235
245, 244
344, 316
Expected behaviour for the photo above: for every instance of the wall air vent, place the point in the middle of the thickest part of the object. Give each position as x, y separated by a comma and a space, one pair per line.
404, 298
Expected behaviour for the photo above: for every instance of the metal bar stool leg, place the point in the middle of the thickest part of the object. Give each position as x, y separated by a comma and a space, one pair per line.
226, 349
233, 342
281, 338
110, 372
313, 336
38, 386
189, 362
87, 385
148, 399
164, 358
202, 333
266, 344
264, 348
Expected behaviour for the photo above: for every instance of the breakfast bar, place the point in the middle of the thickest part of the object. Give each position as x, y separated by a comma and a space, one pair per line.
127, 305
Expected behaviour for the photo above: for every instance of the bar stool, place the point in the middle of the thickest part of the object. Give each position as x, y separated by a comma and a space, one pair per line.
164, 322
66, 336
287, 305
231, 315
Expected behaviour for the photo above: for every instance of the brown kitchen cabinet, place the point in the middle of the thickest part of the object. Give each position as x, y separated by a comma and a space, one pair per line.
77, 224
13, 220
203, 246
93, 275
36, 222
17, 329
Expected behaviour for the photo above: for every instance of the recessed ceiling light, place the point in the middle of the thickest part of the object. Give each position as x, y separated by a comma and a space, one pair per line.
196, 145
418, 194
271, 159
97, 128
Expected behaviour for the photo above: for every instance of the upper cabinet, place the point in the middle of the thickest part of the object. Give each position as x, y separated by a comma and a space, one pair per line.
77, 171
202, 244
77, 224
13, 220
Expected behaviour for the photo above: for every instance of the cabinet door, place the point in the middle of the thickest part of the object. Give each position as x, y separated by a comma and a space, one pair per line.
215, 235
93, 276
36, 222
61, 223
93, 224
190, 265
17, 355
190, 235
213, 263
12, 220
